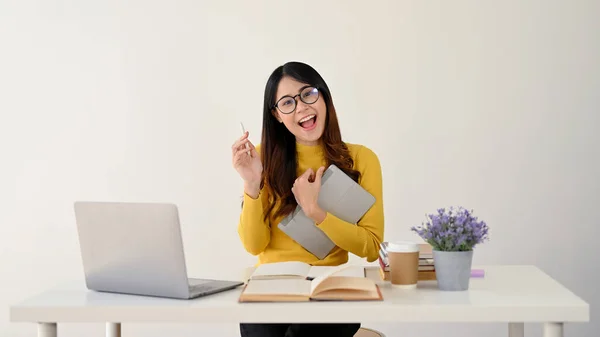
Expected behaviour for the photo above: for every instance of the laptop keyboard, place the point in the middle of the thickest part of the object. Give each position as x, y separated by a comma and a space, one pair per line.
199, 288
198, 285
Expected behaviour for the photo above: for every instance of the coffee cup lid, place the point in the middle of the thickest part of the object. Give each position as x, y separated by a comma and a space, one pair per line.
402, 246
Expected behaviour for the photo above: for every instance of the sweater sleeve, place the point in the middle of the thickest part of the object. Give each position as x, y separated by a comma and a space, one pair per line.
254, 233
364, 238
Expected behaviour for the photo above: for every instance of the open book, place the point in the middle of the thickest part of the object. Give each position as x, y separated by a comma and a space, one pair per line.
293, 281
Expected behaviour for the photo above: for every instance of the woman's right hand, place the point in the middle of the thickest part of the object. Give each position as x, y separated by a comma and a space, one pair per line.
249, 167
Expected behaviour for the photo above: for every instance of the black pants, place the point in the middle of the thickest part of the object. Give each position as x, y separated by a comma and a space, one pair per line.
297, 330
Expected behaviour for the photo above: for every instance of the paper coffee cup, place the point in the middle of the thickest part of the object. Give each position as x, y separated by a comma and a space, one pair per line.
403, 257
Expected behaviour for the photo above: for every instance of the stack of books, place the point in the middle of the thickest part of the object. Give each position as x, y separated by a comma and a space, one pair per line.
426, 266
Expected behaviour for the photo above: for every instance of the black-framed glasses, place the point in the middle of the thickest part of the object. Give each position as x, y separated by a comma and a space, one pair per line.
287, 104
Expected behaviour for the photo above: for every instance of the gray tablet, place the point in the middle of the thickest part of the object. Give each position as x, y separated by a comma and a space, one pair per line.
340, 196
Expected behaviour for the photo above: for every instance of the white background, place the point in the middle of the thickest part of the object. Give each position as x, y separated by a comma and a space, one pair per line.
493, 105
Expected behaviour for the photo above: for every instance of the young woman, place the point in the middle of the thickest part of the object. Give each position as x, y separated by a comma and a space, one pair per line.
301, 137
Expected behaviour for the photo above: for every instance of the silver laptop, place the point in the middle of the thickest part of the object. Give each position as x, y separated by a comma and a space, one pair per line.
137, 248
340, 196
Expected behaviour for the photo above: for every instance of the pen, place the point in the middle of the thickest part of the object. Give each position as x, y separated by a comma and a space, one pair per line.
244, 132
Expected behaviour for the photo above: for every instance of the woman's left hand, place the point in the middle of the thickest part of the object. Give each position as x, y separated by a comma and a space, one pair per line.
306, 191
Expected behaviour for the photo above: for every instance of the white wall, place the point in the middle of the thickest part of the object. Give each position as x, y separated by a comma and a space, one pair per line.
490, 105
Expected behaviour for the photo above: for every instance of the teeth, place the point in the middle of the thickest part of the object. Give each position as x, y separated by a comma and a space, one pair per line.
306, 118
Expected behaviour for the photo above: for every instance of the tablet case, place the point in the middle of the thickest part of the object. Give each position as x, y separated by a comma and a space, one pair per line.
340, 196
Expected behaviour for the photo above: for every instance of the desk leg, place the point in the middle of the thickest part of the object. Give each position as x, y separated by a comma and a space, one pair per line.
516, 329
46, 329
113, 329
553, 330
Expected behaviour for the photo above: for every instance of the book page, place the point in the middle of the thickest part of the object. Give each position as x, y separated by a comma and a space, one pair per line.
328, 273
278, 287
352, 271
348, 285
290, 269
348, 295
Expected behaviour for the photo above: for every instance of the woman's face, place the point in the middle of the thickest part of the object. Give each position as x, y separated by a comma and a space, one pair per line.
307, 121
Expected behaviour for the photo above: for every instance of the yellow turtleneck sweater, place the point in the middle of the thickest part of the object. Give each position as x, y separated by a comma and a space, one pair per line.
362, 239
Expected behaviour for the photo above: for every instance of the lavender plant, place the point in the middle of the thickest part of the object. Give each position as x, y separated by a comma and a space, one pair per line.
455, 229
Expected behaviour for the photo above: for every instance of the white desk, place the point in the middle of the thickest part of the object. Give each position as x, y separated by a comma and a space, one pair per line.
509, 294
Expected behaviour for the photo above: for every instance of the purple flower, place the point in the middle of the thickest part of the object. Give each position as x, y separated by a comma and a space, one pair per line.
453, 229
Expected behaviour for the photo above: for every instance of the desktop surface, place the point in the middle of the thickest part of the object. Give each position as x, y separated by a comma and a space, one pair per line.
506, 294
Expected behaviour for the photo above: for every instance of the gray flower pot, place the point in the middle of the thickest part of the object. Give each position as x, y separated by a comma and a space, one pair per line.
453, 269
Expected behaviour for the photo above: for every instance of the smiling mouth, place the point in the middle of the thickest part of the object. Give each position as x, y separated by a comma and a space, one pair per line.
308, 122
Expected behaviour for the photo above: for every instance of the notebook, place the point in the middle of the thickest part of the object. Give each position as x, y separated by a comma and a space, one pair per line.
340, 196
286, 282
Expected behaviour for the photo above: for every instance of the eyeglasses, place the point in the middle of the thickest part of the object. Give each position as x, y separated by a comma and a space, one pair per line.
287, 104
